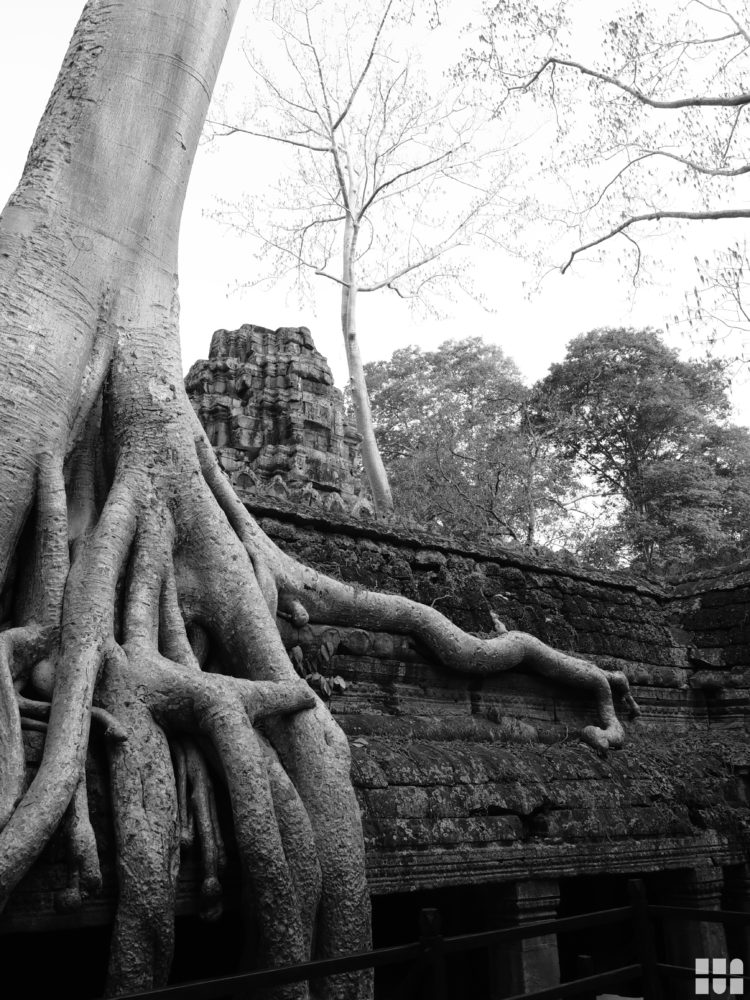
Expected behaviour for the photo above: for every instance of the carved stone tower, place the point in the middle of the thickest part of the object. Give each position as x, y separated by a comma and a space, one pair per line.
269, 406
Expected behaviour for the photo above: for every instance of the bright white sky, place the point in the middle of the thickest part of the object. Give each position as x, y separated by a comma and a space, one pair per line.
33, 40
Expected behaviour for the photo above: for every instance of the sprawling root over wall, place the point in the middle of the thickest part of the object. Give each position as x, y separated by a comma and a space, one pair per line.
136, 592
162, 631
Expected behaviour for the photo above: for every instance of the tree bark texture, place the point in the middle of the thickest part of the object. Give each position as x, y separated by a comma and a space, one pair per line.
136, 592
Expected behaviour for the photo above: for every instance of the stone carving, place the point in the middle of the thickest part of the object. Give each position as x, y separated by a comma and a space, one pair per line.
269, 406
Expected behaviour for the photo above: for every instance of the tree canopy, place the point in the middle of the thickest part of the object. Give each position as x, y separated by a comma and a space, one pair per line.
624, 453
454, 429
653, 431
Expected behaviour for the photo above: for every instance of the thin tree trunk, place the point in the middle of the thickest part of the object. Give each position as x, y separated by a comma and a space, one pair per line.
530, 514
530, 500
371, 459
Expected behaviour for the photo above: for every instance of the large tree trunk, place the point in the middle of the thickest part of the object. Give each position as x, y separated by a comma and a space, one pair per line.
95, 426
135, 590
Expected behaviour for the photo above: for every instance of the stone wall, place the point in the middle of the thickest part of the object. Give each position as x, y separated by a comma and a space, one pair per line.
467, 780
620, 622
476, 793
472, 781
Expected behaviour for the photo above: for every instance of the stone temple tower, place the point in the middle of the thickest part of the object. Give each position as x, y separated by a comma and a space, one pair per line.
269, 406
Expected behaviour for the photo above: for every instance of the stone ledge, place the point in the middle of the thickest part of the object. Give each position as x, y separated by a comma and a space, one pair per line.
405, 871
385, 532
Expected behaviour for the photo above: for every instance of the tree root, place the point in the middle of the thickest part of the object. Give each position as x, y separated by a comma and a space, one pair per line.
299, 840
39, 710
12, 761
331, 601
87, 622
185, 816
167, 639
123, 580
200, 815
224, 709
146, 835
309, 595
113, 546
84, 873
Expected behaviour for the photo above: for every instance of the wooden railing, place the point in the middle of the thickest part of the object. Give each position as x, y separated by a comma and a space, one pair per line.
428, 956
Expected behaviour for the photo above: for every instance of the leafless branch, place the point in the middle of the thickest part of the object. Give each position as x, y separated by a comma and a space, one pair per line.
720, 10
365, 68
636, 272
405, 173
388, 282
729, 213
268, 82
697, 101
699, 167
231, 129
731, 133
326, 104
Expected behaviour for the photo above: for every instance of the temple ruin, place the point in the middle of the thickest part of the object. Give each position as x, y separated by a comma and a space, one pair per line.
477, 796
274, 417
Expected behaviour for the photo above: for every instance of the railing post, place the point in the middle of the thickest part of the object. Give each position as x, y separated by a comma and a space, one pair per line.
432, 944
698, 888
532, 963
584, 969
644, 940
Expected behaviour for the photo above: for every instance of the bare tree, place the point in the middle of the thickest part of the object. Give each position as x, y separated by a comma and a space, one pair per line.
136, 592
650, 124
385, 174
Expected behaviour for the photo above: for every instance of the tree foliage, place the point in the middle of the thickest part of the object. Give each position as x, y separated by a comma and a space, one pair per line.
454, 430
653, 431
624, 454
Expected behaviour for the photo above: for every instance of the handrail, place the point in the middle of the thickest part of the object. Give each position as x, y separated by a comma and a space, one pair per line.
201, 989
702, 914
432, 948
575, 986
482, 939
688, 972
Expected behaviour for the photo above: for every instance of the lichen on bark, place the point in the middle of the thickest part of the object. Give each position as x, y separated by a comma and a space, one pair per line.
136, 592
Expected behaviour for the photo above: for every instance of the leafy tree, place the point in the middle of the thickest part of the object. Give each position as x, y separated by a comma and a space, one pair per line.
647, 125
653, 432
135, 589
385, 175
455, 432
